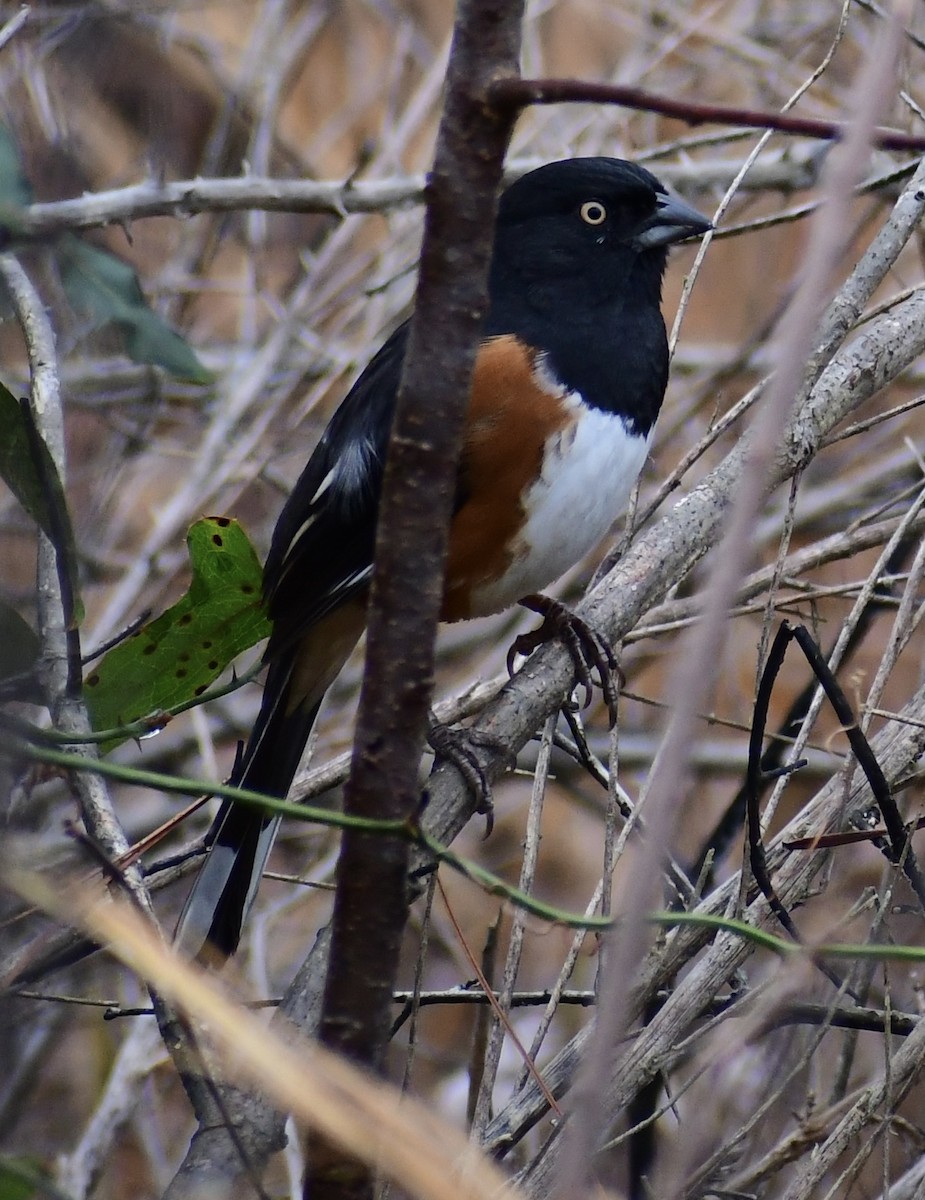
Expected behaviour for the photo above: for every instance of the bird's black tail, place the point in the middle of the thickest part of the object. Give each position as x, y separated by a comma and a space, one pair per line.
212, 919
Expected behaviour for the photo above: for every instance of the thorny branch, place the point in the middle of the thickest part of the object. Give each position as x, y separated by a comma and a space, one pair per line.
248, 193
518, 93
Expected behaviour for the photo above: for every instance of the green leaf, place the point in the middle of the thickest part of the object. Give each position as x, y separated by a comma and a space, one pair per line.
17, 463
22, 1178
19, 652
174, 658
106, 289
37, 485
15, 189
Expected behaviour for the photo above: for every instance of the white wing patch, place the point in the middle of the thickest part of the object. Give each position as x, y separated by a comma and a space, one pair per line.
324, 485
589, 470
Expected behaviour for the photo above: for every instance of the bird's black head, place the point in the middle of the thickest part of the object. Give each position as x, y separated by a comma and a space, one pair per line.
580, 250
587, 226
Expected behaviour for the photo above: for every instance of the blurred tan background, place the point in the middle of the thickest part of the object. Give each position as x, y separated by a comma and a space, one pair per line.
286, 309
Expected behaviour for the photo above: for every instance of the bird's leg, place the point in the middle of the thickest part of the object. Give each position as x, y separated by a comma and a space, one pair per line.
588, 649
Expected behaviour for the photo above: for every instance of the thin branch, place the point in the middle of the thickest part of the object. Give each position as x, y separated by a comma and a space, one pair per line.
521, 93
11, 27
79, 1169
518, 928
252, 192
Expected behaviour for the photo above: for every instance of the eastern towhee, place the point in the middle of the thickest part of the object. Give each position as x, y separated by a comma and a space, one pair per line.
568, 383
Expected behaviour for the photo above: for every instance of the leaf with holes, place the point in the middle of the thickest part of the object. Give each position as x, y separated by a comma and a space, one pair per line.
174, 658
106, 289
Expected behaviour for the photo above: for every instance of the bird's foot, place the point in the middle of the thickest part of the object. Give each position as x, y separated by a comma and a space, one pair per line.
459, 747
588, 649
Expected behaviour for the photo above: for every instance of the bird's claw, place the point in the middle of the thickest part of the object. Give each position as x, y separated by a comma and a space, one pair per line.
457, 746
588, 649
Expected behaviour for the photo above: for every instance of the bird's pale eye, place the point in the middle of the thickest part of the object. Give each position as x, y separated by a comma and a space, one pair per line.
592, 212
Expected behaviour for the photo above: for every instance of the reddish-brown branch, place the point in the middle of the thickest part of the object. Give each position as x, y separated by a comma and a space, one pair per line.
370, 906
516, 94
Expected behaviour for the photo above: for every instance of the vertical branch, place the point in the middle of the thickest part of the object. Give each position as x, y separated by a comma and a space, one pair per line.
525, 883
60, 663
371, 901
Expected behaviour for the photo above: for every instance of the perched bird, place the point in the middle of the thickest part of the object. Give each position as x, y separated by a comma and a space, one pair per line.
570, 375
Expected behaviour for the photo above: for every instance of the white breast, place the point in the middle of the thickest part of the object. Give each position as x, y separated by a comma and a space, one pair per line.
588, 473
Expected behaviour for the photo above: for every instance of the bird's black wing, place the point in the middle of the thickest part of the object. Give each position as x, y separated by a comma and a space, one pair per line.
322, 548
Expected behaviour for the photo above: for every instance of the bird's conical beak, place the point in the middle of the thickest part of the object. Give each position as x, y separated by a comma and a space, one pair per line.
673, 221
